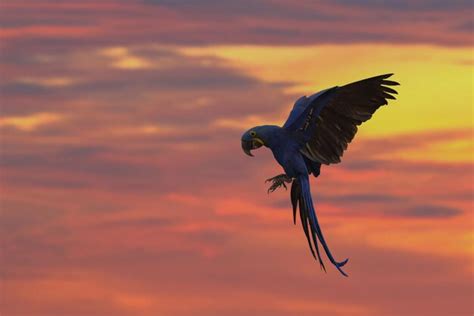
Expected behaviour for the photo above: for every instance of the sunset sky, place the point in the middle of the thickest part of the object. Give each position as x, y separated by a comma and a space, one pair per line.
124, 190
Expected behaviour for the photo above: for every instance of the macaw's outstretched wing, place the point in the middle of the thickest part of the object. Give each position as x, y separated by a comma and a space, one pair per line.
301, 195
327, 121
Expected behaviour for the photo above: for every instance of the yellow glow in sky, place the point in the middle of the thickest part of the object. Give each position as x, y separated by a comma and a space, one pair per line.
436, 82
30, 122
51, 82
123, 58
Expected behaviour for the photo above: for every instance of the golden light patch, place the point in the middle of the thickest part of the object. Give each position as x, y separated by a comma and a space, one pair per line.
436, 83
48, 82
114, 51
124, 59
130, 62
141, 130
30, 122
454, 151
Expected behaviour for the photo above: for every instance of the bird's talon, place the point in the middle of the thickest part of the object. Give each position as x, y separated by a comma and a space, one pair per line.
278, 181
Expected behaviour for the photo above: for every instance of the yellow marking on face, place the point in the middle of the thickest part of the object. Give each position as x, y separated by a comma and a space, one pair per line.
259, 140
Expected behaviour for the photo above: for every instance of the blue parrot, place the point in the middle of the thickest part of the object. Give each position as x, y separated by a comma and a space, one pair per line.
317, 131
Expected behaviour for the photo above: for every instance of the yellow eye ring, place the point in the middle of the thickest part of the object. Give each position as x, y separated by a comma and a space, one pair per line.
253, 133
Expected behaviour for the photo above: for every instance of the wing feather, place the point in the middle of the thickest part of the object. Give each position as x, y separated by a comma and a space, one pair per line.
328, 120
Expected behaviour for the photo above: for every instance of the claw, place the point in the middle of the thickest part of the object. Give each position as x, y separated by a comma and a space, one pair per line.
277, 182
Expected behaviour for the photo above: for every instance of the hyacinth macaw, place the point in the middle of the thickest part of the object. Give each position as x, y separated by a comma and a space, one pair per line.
317, 132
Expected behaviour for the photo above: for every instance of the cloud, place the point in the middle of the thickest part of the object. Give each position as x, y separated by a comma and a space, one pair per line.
351, 198
423, 5
265, 22
137, 223
125, 191
122, 267
31, 122
429, 211
20, 215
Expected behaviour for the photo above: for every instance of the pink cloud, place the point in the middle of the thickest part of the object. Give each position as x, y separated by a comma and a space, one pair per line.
138, 201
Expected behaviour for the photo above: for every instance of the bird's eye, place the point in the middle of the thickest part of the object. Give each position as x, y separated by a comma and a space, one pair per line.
253, 133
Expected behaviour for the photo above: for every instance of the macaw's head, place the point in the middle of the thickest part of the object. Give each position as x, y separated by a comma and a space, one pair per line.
253, 138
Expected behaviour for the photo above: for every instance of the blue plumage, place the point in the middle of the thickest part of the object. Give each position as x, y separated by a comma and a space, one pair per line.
317, 132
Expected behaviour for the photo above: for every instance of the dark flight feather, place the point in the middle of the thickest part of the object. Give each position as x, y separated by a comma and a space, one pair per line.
350, 106
329, 119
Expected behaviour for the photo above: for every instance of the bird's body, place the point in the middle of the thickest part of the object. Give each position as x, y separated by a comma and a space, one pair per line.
317, 132
285, 149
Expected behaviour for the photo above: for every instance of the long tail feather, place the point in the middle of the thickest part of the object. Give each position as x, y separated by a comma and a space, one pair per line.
315, 241
295, 193
313, 220
295, 198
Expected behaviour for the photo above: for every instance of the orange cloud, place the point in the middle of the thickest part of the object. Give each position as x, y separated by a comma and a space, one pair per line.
30, 122
124, 190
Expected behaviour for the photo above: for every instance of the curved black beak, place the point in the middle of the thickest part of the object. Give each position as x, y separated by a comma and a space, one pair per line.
247, 146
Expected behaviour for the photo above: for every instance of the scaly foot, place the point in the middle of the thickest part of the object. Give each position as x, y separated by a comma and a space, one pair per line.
278, 181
